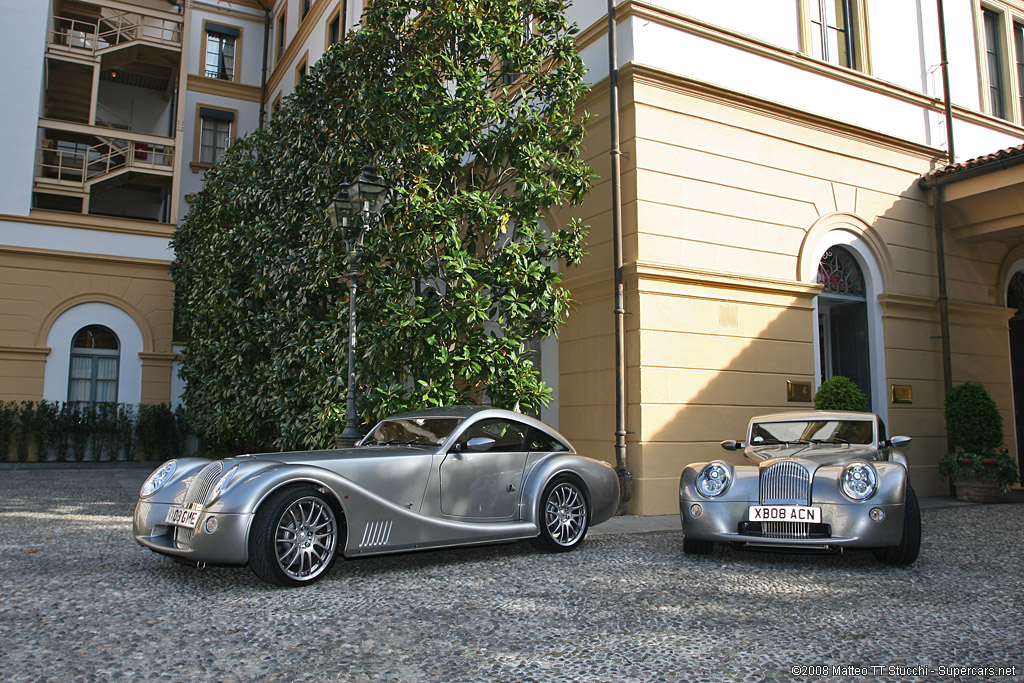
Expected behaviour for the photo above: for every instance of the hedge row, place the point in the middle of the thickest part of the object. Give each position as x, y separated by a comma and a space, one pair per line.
53, 431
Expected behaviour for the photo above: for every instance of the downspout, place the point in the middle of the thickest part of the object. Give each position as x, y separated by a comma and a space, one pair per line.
625, 478
263, 78
947, 363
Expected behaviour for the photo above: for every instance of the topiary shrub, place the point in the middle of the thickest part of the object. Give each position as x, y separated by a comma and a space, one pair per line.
973, 422
975, 429
840, 393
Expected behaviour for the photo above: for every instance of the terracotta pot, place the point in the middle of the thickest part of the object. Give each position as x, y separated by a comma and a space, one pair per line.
978, 491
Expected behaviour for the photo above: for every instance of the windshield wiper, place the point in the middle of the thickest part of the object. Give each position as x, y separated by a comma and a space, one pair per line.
832, 440
404, 442
780, 442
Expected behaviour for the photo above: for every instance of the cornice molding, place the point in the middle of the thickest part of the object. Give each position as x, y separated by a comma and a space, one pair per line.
646, 270
84, 256
214, 86
83, 221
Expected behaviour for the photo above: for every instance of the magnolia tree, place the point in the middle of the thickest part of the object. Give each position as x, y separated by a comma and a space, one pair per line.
469, 109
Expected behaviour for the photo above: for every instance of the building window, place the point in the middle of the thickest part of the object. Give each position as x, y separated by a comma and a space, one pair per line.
305, 9
280, 38
301, 70
215, 133
220, 51
994, 62
836, 32
336, 25
1018, 44
95, 360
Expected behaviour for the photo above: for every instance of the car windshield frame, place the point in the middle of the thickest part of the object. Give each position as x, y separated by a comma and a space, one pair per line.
840, 431
430, 431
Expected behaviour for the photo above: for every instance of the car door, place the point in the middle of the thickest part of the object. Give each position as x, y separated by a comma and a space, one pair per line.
483, 471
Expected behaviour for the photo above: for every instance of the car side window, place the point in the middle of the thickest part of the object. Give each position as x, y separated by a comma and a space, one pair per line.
507, 435
539, 442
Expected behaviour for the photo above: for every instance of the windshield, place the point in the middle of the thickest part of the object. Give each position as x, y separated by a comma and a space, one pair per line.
812, 431
426, 431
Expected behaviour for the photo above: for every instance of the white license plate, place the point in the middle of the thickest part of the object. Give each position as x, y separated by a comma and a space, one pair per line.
784, 513
182, 516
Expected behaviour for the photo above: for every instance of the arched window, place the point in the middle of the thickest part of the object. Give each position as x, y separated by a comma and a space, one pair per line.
840, 275
95, 361
843, 339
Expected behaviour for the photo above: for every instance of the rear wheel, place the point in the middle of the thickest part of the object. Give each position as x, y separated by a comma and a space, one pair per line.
564, 516
906, 552
294, 537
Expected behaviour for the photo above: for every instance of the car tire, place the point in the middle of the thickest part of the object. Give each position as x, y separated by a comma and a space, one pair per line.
906, 552
692, 546
294, 537
563, 517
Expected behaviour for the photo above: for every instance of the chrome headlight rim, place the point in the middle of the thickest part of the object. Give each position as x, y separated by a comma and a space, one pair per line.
714, 479
222, 484
160, 476
859, 481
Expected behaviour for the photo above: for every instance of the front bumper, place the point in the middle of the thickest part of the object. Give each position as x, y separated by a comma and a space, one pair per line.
227, 545
843, 526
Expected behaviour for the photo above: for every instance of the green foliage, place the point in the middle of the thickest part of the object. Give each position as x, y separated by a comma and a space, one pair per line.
840, 393
52, 431
470, 112
998, 466
973, 422
975, 429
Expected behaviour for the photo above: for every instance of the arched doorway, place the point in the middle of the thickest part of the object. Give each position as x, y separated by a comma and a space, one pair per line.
1015, 300
843, 336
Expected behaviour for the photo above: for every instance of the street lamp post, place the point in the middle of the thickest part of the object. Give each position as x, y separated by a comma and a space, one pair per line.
362, 200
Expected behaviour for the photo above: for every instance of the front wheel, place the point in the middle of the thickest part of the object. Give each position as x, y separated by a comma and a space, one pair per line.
294, 537
906, 552
564, 516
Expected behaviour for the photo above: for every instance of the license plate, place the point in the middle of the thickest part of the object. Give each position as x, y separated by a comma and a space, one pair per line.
182, 516
784, 513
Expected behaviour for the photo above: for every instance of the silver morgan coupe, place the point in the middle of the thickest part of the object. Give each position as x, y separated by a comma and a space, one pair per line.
821, 481
427, 479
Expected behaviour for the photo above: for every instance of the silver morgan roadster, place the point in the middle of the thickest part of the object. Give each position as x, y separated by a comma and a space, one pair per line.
428, 479
821, 481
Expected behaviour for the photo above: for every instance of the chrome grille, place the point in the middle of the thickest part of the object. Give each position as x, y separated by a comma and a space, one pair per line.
197, 492
786, 529
785, 483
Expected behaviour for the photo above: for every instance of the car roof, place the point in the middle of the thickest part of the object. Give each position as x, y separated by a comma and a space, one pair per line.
484, 412
800, 415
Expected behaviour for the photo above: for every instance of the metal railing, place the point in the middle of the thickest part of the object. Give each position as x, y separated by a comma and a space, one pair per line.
80, 164
113, 29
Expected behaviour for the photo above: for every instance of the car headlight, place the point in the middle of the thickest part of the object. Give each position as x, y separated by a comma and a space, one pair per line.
156, 481
859, 481
714, 479
221, 484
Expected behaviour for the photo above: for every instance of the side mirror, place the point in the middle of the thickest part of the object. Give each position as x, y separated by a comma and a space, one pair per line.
733, 445
477, 444
899, 442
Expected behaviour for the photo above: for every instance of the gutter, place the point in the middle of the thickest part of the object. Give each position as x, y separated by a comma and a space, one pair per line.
263, 77
625, 478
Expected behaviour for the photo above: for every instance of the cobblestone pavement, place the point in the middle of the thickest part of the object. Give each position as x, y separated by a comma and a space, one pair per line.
80, 601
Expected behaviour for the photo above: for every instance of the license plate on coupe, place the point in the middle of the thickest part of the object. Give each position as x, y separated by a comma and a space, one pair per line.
784, 513
180, 515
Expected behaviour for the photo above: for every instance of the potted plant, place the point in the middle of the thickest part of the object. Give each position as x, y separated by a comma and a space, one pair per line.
979, 465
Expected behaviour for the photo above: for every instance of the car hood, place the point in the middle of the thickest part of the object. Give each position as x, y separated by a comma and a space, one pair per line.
342, 455
820, 454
